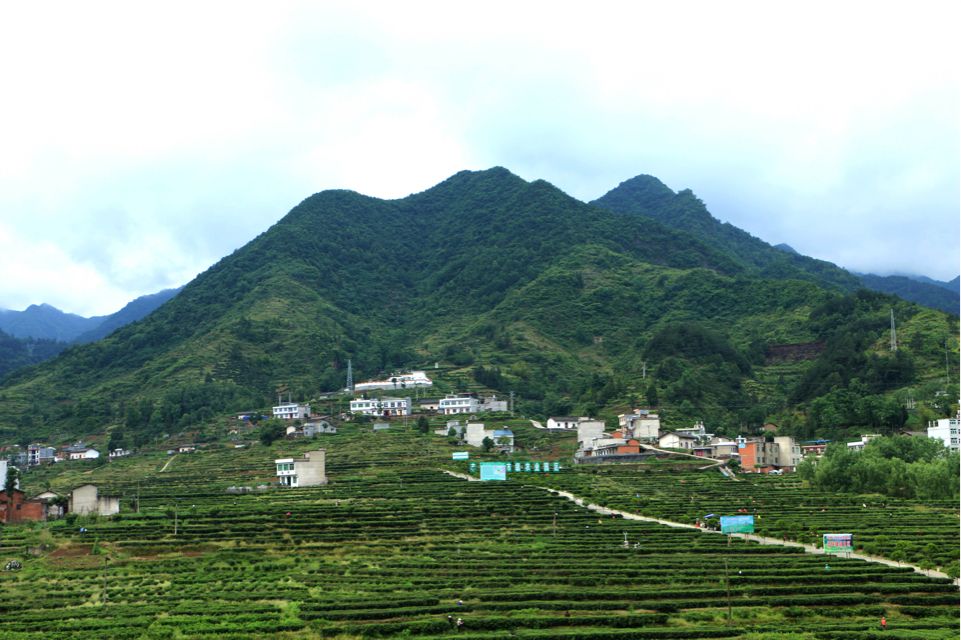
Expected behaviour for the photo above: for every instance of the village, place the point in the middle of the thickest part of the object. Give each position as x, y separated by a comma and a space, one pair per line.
639, 436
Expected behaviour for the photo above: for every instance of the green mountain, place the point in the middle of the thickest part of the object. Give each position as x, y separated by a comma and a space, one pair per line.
934, 294
647, 196
508, 286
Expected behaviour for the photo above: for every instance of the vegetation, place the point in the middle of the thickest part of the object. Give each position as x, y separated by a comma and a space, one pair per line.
392, 547
901, 467
509, 286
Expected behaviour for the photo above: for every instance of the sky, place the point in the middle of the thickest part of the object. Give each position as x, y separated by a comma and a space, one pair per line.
140, 143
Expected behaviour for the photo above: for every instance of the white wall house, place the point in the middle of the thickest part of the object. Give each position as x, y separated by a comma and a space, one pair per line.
945, 430
455, 404
563, 422
307, 471
399, 381
381, 406
672, 440
641, 424
86, 500
291, 411
788, 452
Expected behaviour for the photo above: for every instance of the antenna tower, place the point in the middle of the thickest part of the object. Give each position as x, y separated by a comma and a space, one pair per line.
894, 334
350, 375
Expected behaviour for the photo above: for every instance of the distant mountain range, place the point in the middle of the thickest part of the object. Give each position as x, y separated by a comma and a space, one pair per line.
42, 331
640, 297
46, 322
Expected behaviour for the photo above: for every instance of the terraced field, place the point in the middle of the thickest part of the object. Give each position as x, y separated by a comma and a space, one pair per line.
392, 547
924, 534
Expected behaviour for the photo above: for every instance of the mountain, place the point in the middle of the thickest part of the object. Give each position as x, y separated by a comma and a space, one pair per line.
951, 285
927, 292
786, 248
509, 286
131, 312
45, 322
647, 196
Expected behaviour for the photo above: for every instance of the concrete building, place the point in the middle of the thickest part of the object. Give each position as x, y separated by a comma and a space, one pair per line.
859, 444
491, 404
587, 431
460, 403
80, 451
308, 471
86, 500
564, 422
399, 381
40, 454
788, 453
642, 424
945, 430
291, 411
672, 440
381, 407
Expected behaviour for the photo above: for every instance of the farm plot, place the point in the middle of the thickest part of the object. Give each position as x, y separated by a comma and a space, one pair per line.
924, 534
393, 547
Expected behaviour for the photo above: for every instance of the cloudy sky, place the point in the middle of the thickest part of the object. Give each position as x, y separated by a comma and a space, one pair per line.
140, 145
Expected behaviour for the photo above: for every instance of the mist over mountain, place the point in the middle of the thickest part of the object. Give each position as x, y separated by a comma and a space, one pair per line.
510, 286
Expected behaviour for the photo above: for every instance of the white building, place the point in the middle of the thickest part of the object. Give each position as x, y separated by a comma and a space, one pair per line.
308, 471
79, 451
476, 433
86, 500
945, 430
455, 404
291, 411
671, 440
491, 404
563, 422
587, 431
859, 445
381, 406
400, 381
788, 453
641, 424
4, 469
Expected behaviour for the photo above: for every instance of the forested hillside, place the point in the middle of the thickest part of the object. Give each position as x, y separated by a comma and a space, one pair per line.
511, 286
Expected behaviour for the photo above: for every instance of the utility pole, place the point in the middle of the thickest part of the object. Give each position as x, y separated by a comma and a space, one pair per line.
104, 598
644, 370
350, 376
894, 333
554, 524
175, 518
512, 393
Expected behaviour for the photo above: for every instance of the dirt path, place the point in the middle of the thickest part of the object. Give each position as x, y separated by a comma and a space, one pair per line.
172, 458
808, 548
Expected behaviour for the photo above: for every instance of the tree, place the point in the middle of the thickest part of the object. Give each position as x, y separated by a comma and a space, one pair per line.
10, 482
272, 430
487, 443
651, 395
423, 425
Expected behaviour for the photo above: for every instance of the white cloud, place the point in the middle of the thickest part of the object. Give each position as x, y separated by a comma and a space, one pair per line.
141, 144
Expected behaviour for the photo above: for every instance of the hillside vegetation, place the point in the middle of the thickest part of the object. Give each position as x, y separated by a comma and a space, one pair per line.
509, 286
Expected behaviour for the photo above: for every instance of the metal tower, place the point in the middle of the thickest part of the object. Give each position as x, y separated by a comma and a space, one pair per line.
350, 375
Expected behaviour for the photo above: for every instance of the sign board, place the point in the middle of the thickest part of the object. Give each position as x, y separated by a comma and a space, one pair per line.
737, 524
557, 466
838, 543
493, 471
460, 455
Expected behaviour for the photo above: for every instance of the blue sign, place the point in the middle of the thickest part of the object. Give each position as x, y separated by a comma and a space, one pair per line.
493, 471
